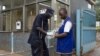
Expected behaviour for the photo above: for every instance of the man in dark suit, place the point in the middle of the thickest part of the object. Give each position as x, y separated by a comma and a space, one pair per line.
39, 32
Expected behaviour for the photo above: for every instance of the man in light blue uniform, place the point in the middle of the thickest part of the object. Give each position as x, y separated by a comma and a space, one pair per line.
64, 35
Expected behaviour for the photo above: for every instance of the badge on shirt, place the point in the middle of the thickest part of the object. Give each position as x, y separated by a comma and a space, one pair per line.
42, 11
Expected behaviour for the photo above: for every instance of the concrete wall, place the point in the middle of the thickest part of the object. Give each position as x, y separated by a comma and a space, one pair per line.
77, 4
5, 41
74, 5
19, 42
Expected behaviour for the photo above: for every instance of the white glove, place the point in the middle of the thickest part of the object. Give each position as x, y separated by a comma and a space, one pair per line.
50, 33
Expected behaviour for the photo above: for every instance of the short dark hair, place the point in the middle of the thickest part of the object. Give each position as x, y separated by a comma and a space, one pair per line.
64, 9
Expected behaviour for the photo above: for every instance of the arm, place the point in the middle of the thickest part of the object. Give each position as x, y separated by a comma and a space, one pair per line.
38, 25
67, 29
41, 30
60, 35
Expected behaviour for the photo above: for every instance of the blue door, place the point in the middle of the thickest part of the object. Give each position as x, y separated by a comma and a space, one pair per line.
85, 31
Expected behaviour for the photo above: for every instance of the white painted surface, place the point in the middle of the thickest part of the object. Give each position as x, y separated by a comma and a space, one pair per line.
43, 11
97, 23
3, 7
89, 6
18, 25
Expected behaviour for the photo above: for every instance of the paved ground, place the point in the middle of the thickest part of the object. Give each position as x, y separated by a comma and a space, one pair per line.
95, 52
5, 53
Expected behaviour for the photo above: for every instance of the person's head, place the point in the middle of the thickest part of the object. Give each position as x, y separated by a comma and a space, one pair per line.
63, 13
49, 12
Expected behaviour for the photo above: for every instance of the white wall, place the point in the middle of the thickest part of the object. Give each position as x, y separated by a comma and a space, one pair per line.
97, 23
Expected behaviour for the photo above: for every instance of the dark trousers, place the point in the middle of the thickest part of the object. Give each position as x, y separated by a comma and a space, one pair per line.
45, 49
66, 54
41, 50
36, 51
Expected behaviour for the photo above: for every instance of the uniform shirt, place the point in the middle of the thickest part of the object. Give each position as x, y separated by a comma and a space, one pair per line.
65, 44
68, 26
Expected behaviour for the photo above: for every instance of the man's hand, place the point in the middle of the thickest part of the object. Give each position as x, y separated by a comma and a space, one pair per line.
41, 30
56, 35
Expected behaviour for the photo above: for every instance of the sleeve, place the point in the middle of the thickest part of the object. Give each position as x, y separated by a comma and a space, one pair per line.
45, 25
68, 26
38, 21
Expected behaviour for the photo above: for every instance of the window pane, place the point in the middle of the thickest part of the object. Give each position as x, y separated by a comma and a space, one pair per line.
18, 2
30, 16
30, 1
6, 21
17, 16
5, 4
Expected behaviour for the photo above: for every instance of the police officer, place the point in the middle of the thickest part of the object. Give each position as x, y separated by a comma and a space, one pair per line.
39, 32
